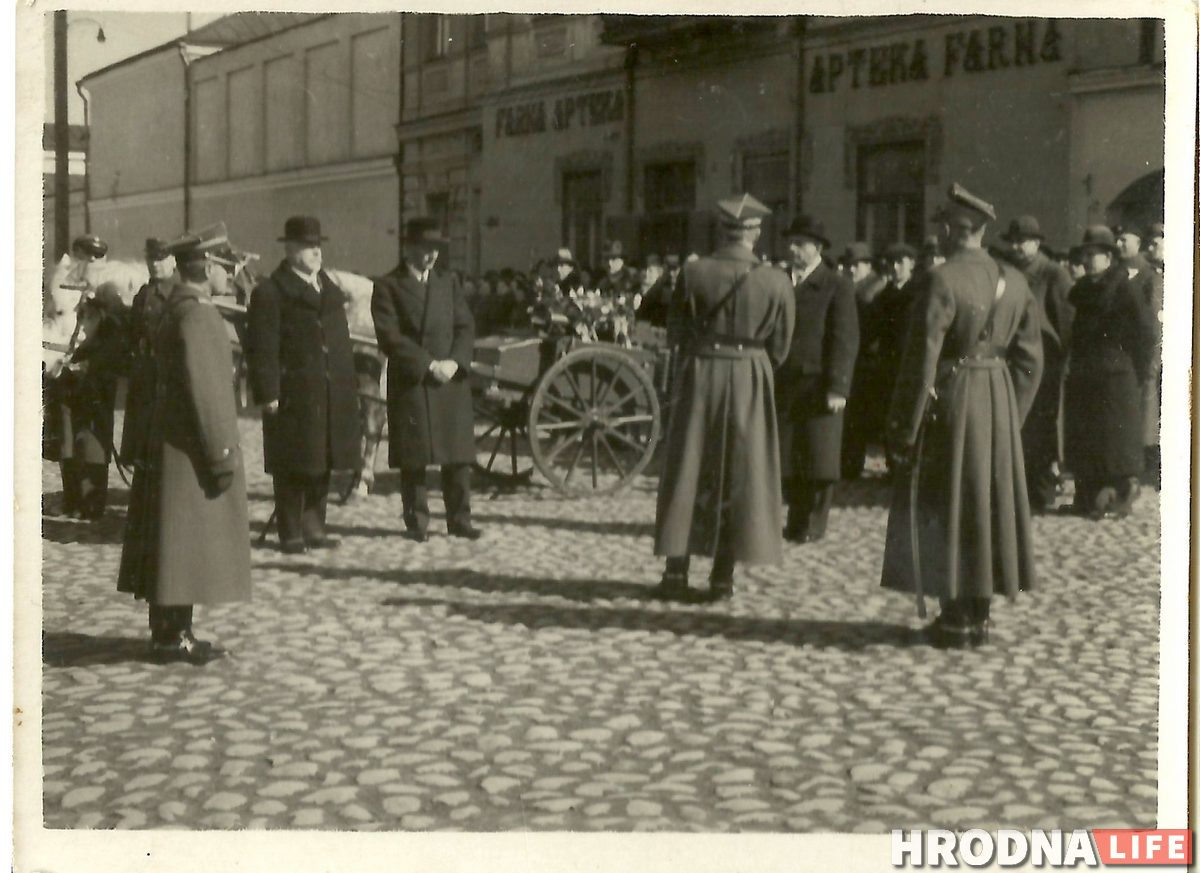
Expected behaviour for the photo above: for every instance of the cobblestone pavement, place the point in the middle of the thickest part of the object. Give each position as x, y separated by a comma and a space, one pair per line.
526, 682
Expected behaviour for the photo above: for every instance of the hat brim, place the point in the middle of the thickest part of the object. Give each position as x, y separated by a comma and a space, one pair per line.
307, 240
1086, 247
804, 234
1018, 237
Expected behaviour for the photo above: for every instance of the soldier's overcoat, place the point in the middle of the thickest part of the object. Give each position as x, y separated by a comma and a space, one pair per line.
417, 323
185, 543
721, 472
972, 518
298, 352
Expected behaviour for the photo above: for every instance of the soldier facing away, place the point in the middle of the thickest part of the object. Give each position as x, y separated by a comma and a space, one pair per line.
959, 528
719, 493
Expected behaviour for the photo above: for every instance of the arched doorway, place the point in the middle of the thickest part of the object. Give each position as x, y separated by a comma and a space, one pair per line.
1140, 204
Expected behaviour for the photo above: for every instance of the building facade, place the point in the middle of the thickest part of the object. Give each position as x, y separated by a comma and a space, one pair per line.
522, 133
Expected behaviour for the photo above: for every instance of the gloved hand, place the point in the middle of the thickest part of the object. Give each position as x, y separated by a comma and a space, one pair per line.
219, 483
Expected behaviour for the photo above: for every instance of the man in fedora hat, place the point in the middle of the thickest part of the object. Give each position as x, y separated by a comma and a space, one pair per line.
144, 316
1050, 285
301, 368
863, 418
719, 491
185, 537
1112, 352
814, 382
617, 279
566, 272
959, 527
424, 326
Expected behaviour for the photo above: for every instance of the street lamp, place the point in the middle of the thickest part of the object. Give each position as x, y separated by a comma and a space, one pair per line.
62, 146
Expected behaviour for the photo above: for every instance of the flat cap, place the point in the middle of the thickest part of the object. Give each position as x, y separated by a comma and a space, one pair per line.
742, 211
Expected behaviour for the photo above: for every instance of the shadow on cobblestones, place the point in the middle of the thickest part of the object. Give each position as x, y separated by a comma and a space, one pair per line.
864, 493
616, 528
848, 636
107, 530
578, 590
78, 650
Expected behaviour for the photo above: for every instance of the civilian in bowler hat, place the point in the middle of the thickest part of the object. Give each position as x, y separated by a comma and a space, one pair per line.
719, 492
185, 535
301, 369
814, 381
959, 527
424, 326
1112, 353
1050, 285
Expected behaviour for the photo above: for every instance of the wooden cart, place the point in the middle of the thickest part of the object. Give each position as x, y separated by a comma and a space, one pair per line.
587, 416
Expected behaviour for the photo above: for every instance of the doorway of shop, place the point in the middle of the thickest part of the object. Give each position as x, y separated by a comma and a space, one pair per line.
582, 215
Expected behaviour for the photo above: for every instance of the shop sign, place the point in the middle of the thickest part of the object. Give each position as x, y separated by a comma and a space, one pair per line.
576, 110
1016, 44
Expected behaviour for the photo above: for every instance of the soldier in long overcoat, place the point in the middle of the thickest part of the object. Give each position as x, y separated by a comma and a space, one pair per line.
144, 316
959, 528
186, 539
814, 382
1112, 358
719, 491
1050, 284
301, 368
424, 326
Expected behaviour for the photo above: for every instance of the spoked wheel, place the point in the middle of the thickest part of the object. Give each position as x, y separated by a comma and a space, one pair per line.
594, 422
502, 442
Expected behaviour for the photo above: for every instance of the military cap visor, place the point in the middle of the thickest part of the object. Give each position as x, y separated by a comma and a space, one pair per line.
744, 211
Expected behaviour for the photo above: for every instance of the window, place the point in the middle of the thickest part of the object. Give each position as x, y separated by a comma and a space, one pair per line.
437, 207
891, 193
765, 176
670, 187
477, 31
669, 194
582, 212
436, 36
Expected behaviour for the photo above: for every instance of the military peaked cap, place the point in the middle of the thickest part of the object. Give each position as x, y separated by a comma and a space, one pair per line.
741, 211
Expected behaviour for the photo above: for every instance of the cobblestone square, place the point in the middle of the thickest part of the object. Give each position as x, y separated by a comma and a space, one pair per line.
527, 682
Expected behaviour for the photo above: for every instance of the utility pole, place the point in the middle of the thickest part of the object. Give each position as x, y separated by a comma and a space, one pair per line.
62, 141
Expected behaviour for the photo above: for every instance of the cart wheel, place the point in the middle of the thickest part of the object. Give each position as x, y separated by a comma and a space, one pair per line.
501, 441
594, 421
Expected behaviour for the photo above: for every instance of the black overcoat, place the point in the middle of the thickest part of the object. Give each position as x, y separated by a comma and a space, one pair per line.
1111, 356
819, 362
298, 352
144, 316
416, 324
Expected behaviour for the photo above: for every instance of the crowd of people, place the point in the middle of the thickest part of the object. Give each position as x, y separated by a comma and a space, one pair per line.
983, 373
